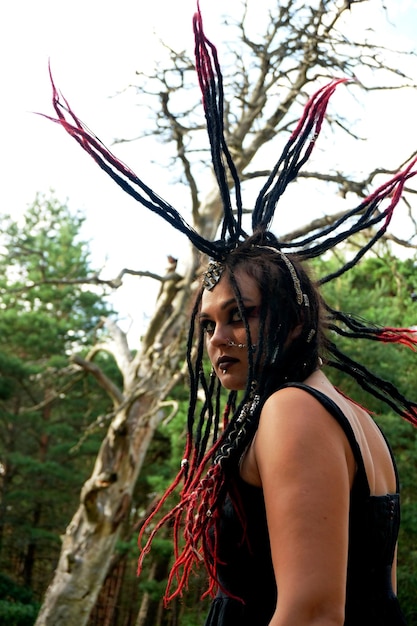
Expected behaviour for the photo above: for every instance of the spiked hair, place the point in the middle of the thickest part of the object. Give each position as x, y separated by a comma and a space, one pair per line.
219, 432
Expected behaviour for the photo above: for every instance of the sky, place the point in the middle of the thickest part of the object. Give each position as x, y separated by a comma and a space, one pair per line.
94, 48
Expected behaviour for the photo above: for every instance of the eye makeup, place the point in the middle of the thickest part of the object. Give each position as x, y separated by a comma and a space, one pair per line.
235, 316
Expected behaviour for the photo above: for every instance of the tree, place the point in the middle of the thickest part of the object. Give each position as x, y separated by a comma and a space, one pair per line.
46, 312
268, 79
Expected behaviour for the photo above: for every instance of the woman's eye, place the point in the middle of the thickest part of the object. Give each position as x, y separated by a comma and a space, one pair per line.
249, 312
208, 326
236, 316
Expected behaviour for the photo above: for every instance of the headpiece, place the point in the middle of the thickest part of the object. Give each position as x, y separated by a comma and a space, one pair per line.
204, 490
212, 274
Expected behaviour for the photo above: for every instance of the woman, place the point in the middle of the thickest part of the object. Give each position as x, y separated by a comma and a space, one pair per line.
291, 502
294, 506
315, 511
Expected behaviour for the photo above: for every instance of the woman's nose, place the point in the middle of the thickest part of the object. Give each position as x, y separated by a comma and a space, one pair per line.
219, 336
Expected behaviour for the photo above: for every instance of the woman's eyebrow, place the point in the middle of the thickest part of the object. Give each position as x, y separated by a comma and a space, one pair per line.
226, 304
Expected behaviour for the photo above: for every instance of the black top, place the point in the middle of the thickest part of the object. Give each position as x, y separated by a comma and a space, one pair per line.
245, 570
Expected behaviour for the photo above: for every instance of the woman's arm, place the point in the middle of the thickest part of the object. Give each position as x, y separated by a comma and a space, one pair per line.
306, 468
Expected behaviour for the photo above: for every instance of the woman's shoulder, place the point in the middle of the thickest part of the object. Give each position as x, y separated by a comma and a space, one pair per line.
303, 412
316, 396
317, 414
294, 425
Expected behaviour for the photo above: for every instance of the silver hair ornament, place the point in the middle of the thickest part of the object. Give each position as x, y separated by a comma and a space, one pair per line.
246, 413
311, 335
302, 298
212, 274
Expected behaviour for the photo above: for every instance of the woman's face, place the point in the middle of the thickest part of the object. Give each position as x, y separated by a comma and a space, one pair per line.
223, 325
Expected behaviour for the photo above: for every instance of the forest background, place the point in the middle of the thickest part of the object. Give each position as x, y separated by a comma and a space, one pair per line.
92, 409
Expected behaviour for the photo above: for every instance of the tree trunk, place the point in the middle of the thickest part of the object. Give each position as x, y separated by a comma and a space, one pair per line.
109, 597
143, 613
90, 538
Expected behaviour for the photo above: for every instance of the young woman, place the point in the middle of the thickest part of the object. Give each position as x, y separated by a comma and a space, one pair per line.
313, 510
292, 501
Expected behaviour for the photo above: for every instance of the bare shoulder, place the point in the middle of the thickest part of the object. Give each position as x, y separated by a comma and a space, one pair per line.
295, 428
298, 413
305, 411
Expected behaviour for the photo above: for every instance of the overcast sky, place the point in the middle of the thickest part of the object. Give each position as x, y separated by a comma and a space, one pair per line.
94, 47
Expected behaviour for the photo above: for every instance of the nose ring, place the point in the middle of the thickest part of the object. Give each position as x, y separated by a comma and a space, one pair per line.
232, 344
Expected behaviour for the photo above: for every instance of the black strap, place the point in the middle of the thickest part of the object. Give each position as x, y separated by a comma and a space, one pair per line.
362, 483
341, 418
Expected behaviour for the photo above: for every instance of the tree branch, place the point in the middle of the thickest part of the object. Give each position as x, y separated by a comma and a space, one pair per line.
105, 383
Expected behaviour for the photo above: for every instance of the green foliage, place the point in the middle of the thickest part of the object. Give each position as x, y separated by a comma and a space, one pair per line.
379, 291
17, 606
47, 312
18, 614
11, 369
45, 308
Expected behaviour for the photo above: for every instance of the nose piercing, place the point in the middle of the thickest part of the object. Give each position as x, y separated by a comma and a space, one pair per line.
232, 344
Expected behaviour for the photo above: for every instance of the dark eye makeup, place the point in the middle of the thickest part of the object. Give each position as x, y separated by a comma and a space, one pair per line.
207, 325
235, 317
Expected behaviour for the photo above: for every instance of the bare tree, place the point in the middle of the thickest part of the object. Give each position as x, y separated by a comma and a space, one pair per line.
268, 79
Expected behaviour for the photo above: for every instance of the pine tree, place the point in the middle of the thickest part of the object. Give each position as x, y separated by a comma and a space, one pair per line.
46, 312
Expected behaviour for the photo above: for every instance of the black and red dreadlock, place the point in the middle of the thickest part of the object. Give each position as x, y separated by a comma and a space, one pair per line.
213, 448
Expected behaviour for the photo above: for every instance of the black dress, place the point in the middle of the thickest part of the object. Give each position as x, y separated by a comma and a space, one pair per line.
246, 573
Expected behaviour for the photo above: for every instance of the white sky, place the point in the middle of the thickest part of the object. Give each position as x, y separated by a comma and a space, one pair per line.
94, 47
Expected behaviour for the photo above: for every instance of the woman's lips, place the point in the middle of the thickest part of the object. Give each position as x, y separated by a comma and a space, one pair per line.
224, 362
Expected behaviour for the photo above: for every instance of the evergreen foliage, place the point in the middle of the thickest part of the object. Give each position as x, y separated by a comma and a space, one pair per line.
46, 313
17, 605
